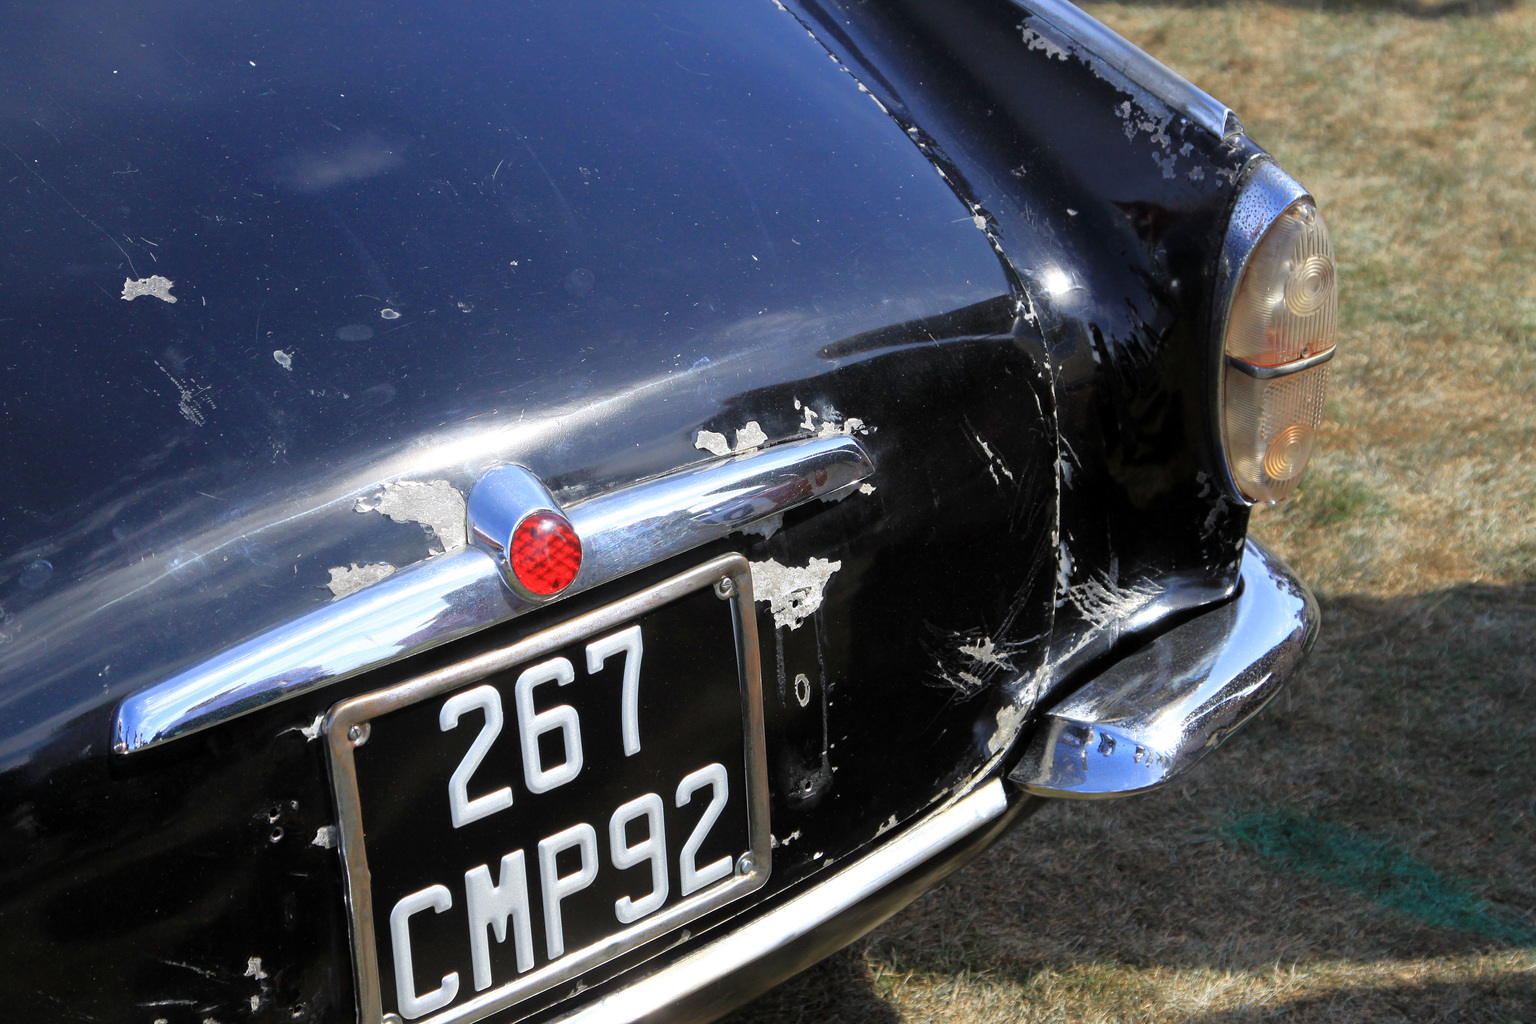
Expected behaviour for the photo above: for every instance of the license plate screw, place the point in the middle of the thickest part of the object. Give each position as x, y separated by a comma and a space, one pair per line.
745, 864
724, 588
358, 734
391, 1018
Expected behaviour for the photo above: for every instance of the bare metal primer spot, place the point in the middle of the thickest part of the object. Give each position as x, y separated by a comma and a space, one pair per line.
348, 579
711, 442
436, 505
284, 359
829, 422
793, 594
159, 287
748, 439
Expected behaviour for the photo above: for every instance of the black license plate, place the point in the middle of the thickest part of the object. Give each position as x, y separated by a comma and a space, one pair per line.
512, 821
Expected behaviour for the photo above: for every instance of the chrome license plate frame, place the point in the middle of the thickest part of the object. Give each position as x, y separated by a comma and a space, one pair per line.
731, 578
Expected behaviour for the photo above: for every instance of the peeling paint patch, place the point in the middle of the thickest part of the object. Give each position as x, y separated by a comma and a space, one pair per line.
886, 826
748, 439
765, 527
866, 488
156, 286
253, 968
325, 838
284, 359
1012, 716
310, 732
786, 840
348, 579
1157, 131
1035, 41
712, 442
1063, 570
436, 505
829, 422
792, 594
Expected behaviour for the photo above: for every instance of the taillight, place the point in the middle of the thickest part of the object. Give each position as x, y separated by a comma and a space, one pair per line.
545, 553
1278, 335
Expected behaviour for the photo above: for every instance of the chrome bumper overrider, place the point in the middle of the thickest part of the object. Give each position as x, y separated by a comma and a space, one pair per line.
1162, 709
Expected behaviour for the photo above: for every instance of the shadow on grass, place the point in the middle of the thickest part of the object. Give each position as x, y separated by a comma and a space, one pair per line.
839, 990
1506, 1000
1426, 9
1377, 817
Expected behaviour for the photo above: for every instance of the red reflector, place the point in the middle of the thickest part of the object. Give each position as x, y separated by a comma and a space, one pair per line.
545, 553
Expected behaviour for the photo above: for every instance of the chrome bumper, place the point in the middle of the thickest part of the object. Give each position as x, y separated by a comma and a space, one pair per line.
1163, 708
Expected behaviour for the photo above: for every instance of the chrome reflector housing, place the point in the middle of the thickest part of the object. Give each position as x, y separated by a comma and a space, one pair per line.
1277, 336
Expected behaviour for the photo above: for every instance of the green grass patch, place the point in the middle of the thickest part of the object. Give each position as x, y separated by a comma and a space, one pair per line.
1377, 869
1326, 500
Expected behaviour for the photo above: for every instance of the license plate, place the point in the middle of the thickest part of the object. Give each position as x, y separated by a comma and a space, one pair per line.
514, 820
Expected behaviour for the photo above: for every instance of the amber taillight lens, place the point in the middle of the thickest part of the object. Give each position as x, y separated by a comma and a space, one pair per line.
1280, 334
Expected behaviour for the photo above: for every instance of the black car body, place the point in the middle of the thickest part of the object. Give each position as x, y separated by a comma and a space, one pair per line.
892, 331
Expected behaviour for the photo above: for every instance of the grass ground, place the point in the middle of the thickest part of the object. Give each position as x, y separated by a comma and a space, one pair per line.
1366, 850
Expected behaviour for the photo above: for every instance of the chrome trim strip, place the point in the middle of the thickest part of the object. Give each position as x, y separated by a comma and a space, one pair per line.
359, 711
1159, 711
1264, 194
442, 599
1135, 64
783, 924
1284, 369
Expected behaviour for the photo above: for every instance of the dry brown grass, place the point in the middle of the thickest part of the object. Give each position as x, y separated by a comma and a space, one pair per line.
1412, 733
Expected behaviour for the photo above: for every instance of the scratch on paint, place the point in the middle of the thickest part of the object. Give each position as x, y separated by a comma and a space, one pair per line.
982, 659
1103, 602
189, 967
995, 463
193, 395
